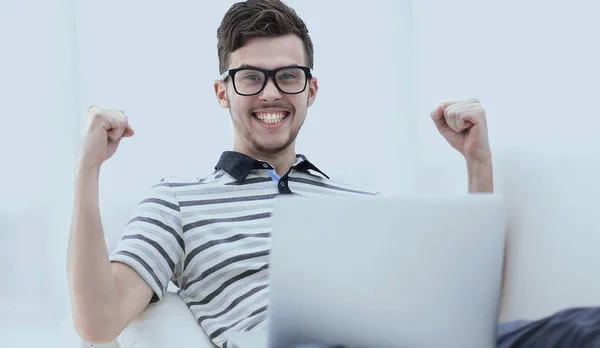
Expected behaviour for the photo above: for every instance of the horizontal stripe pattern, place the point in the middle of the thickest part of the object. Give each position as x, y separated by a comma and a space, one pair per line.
211, 237
152, 243
200, 223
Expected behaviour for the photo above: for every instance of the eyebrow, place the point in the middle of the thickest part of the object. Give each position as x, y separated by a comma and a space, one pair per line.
248, 66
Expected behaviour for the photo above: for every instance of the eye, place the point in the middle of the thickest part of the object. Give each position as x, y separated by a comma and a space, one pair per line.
252, 77
290, 74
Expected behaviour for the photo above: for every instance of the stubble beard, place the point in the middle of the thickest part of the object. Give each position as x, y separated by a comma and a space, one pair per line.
250, 137
261, 148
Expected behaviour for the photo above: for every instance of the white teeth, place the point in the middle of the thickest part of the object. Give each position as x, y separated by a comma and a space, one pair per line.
270, 118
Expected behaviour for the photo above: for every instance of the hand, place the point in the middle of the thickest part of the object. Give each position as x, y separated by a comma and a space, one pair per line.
464, 125
104, 130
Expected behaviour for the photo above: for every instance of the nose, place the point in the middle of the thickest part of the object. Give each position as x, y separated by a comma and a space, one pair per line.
270, 92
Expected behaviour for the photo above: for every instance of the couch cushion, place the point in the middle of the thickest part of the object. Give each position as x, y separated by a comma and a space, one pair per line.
168, 323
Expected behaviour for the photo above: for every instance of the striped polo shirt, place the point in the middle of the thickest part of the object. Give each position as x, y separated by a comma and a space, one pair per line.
210, 237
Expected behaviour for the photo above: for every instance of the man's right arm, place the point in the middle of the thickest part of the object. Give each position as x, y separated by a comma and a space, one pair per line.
105, 297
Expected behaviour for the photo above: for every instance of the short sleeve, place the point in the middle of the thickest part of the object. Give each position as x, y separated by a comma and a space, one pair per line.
152, 243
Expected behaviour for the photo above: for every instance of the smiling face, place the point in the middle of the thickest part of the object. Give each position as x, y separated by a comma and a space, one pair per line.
267, 123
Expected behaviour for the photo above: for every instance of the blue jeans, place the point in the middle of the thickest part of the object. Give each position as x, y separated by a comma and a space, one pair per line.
570, 328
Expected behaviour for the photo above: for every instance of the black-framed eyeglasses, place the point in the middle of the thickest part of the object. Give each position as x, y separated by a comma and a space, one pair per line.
248, 80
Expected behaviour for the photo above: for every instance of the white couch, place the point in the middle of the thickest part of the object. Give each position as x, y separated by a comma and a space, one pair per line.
553, 234
553, 239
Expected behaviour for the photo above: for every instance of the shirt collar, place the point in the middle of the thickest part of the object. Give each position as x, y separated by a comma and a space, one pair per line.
239, 165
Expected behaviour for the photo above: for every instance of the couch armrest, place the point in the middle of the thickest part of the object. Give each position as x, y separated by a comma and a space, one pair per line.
553, 196
168, 323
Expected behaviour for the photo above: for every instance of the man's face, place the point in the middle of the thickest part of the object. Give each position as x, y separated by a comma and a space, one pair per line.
268, 122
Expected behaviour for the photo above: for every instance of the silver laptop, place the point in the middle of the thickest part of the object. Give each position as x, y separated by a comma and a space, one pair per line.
414, 272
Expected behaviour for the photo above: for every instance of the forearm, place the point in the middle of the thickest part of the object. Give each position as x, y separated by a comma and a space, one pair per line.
481, 176
90, 276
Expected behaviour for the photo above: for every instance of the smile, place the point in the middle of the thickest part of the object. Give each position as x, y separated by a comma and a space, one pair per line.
271, 118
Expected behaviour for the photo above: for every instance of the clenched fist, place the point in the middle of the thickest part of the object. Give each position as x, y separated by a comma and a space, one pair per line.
463, 124
104, 130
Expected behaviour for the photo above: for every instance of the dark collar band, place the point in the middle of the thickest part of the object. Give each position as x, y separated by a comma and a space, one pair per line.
239, 165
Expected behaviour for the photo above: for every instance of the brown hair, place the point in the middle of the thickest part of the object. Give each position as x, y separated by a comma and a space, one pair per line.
259, 18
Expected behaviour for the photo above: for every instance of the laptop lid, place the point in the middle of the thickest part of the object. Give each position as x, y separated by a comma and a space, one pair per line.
421, 271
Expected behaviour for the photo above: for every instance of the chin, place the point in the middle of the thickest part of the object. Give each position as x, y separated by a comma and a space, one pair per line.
271, 148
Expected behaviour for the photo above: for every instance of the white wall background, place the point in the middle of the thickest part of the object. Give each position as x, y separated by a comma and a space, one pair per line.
533, 64
38, 101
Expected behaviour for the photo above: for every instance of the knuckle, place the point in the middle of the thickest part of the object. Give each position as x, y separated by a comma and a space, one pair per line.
122, 121
95, 112
92, 107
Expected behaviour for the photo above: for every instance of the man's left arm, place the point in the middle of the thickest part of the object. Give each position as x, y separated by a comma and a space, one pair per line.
481, 176
463, 124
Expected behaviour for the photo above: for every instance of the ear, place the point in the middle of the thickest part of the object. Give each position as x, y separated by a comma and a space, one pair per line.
221, 93
313, 87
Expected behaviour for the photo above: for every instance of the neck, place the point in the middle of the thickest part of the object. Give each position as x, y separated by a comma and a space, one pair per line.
282, 161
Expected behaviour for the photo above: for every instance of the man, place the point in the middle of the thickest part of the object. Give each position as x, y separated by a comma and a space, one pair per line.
210, 236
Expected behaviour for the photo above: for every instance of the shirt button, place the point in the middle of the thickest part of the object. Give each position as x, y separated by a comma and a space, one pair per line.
265, 165
282, 183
